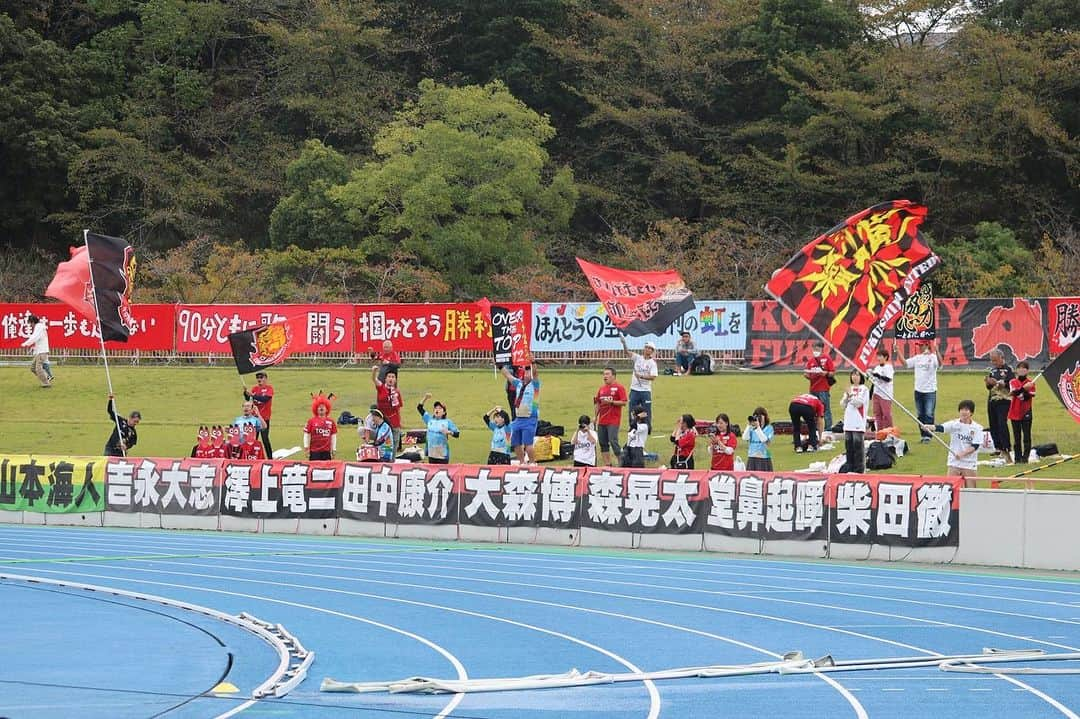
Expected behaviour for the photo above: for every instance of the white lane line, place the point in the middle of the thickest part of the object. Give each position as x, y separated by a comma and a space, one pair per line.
650, 685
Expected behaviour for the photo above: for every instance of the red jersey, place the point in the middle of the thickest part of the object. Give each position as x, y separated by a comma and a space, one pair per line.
1020, 405
389, 401
684, 445
393, 357
819, 381
264, 407
810, 401
252, 451
721, 460
607, 412
218, 451
321, 430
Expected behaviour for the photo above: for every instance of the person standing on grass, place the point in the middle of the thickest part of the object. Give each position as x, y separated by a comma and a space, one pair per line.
883, 390
607, 406
262, 394
38, 341
250, 416
965, 434
645, 372
527, 407
759, 435
440, 429
925, 362
806, 409
388, 399
722, 445
634, 452
389, 359
123, 436
584, 443
320, 432
998, 399
1022, 389
855, 403
821, 372
498, 421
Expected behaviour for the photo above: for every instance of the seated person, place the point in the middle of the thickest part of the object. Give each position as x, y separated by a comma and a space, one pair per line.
685, 352
380, 446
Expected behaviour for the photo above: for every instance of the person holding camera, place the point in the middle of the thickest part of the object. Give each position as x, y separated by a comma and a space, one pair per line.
584, 443
758, 435
855, 401
722, 445
684, 437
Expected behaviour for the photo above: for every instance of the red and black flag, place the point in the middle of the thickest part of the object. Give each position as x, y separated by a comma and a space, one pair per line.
264, 346
111, 261
639, 303
1063, 376
918, 321
850, 284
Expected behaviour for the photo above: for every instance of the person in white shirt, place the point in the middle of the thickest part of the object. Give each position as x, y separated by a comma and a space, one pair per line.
645, 372
635, 438
965, 435
855, 402
883, 390
38, 341
584, 443
925, 364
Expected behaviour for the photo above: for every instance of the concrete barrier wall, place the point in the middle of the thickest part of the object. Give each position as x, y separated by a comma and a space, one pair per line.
998, 528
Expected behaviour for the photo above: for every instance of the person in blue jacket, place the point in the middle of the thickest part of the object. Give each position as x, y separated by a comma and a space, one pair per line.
440, 429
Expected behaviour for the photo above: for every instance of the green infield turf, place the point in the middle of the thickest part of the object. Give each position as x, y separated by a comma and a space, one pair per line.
70, 418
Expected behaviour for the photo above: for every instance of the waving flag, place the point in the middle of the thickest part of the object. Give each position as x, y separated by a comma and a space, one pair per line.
850, 284
639, 303
112, 261
264, 346
509, 336
1063, 376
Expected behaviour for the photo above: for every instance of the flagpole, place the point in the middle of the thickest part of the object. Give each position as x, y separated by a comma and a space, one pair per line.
849, 361
101, 337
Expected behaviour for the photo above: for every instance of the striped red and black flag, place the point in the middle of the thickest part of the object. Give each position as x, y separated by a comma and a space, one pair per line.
639, 303
1063, 376
850, 283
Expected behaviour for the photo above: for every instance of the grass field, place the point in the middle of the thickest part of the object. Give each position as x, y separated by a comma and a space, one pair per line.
70, 418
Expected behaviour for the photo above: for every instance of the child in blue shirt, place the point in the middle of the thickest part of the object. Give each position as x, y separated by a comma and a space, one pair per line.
439, 430
498, 421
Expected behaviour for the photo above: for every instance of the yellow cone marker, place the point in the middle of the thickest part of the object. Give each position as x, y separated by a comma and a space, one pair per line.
225, 688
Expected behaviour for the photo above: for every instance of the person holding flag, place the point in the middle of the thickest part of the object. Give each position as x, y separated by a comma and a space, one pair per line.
645, 371
527, 403
123, 436
262, 394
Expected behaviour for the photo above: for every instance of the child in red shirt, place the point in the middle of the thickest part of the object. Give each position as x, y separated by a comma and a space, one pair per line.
722, 445
251, 449
1022, 389
684, 437
201, 450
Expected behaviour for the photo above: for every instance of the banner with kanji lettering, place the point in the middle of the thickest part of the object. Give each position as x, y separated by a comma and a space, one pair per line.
917, 320
53, 485
645, 501
152, 328
399, 493
281, 489
509, 339
894, 510
190, 487
320, 328
1062, 323
435, 327
639, 303
760, 505
850, 284
714, 325
527, 496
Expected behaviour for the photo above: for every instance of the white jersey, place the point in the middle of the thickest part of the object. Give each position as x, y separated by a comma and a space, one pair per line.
883, 388
642, 366
584, 447
926, 366
637, 435
962, 437
855, 408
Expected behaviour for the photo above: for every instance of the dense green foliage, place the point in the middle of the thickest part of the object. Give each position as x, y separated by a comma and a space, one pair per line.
407, 149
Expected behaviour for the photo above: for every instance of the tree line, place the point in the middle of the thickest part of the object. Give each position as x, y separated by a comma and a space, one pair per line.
411, 150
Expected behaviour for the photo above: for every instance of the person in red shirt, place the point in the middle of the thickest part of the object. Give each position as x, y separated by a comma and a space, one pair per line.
388, 398
684, 437
821, 372
389, 359
722, 444
217, 449
233, 450
608, 404
262, 394
201, 450
320, 433
1022, 389
809, 410
250, 449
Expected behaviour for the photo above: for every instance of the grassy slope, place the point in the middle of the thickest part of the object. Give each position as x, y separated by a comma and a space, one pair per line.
70, 418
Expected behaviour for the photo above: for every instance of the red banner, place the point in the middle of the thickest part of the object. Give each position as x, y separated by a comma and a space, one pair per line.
1063, 323
68, 330
429, 327
206, 328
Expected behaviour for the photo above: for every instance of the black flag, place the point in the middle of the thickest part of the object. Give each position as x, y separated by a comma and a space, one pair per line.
112, 262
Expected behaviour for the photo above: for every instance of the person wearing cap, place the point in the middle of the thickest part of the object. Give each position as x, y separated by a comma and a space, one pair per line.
685, 353
645, 372
367, 427
123, 436
262, 394
382, 437
925, 363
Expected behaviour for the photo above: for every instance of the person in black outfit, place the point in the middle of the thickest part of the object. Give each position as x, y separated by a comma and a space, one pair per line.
997, 406
123, 436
